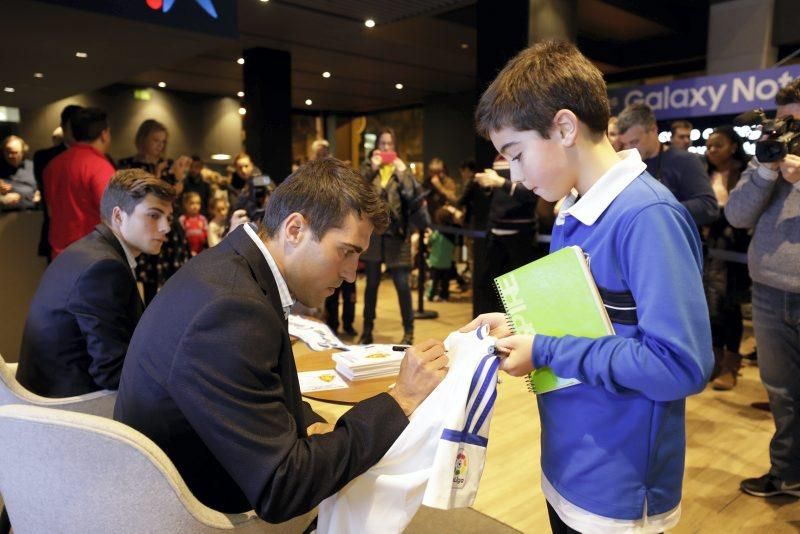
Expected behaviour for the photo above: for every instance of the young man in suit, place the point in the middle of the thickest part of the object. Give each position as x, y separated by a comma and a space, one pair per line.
87, 304
210, 375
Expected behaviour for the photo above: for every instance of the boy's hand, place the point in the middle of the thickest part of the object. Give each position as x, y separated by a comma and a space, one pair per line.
516, 354
498, 324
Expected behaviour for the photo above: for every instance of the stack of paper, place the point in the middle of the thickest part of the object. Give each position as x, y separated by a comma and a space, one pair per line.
368, 361
323, 380
318, 336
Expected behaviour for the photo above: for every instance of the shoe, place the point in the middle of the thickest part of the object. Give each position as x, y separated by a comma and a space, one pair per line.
408, 339
349, 331
728, 371
366, 338
764, 406
768, 486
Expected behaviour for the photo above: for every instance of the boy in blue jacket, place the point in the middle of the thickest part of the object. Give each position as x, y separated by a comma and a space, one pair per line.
613, 446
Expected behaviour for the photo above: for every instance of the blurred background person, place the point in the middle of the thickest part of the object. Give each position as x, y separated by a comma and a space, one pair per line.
613, 133
194, 223
681, 135
17, 182
196, 182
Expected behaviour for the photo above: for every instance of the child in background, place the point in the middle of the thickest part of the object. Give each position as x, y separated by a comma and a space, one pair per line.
195, 226
440, 258
217, 227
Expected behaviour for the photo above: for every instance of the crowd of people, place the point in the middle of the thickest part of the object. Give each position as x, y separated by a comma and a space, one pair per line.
652, 216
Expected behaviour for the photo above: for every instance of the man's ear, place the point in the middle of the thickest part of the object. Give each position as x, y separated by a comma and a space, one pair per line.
295, 228
565, 125
116, 217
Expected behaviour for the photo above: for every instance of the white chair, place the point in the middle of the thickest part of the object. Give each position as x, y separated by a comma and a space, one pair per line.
70, 472
11, 392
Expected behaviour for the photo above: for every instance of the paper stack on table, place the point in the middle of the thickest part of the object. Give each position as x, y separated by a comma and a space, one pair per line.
318, 336
323, 380
368, 361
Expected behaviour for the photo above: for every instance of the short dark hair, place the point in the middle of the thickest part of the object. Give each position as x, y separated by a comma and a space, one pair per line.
87, 124
686, 125
128, 188
325, 192
634, 114
67, 113
789, 94
539, 81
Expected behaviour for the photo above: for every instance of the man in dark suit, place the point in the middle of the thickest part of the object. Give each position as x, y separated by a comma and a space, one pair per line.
87, 304
210, 375
40, 160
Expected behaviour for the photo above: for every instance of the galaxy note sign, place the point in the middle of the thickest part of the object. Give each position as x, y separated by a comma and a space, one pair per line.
708, 95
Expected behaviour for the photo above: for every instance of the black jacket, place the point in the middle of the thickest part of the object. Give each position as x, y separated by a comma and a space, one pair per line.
81, 319
210, 377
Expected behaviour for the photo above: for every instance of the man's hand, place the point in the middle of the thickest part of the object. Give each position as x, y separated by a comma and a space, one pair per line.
238, 218
422, 369
319, 428
180, 167
790, 168
498, 324
5, 187
10, 199
515, 352
489, 178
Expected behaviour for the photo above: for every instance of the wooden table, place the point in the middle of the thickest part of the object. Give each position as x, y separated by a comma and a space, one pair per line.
356, 391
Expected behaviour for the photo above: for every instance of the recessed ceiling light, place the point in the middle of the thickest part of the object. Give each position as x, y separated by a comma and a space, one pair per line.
240, 61
38, 75
8, 89
220, 157
82, 55
162, 84
326, 74
309, 102
264, 1
464, 46
240, 94
242, 111
369, 23
398, 86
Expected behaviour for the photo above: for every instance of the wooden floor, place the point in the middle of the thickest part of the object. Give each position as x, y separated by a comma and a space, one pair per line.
727, 440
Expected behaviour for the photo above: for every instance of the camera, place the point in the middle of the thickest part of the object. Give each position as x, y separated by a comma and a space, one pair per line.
261, 187
782, 135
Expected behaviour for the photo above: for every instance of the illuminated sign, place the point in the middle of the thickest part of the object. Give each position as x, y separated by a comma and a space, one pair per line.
166, 5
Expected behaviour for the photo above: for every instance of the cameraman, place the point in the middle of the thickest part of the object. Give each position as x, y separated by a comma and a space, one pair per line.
253, 198
767, 198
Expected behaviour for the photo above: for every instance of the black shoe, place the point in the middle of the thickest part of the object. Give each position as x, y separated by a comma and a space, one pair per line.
763, 406
769, 486
366, 339
408, 339
349, 331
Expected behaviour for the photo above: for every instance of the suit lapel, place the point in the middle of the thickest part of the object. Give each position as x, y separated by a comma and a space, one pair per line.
244, 246
106, 234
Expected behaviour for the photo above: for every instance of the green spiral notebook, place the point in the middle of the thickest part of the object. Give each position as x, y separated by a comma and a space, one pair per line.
554, 296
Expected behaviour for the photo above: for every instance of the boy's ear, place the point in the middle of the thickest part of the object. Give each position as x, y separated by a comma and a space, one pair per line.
565, 125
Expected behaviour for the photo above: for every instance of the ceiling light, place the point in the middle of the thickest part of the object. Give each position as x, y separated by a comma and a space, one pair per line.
38, 75
240, 61
264, 1
220, 157
326, 74
309, 102
398, 86
240, 94
369, 23
242, 111
8, 89
162, 84
82, 55
464, 46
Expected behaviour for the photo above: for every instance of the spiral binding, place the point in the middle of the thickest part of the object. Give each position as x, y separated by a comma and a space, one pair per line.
528, 381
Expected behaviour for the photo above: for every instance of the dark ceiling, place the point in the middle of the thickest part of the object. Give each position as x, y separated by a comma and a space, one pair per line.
427, 45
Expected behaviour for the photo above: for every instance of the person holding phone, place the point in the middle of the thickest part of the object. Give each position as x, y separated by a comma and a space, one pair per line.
393, 180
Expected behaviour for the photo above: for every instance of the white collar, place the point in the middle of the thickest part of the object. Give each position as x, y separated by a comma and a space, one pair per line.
283, 290
592, 205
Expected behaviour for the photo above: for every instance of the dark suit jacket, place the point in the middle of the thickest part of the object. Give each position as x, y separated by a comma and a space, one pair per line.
40, 160
80, 320
210, 377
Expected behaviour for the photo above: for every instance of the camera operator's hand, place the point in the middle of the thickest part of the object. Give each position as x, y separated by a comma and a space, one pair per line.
790, 168
422, 369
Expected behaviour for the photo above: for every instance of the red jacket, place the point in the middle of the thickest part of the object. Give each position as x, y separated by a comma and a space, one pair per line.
74, 183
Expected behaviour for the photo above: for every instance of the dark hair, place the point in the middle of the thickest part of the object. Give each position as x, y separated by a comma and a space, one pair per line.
189, 194
87, 124
789, 94
325, 192
739, 155
128, 188
196, 158
539, 81
686, 125
241, 155
444, 217
67, 113
635, 114
145, 129
390, 131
